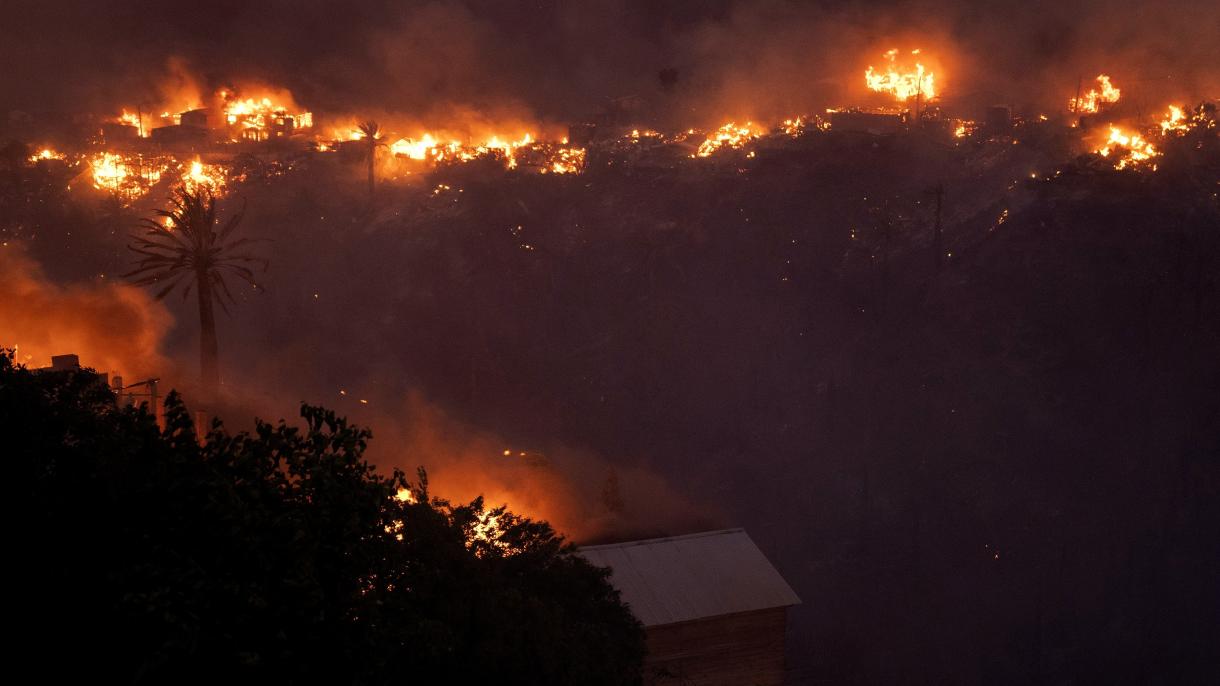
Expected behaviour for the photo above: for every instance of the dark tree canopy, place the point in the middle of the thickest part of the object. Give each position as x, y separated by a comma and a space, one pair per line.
280, 556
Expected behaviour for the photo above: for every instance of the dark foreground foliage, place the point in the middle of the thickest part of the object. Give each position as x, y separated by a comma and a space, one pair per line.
144, 555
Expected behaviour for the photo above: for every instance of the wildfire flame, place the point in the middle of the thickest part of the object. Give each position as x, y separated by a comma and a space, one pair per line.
47, 154
1174, 122
567, 161
731, 135
262, 118
1129, 150
1094, 99
198, 175
127, 176
793, 127
903, 83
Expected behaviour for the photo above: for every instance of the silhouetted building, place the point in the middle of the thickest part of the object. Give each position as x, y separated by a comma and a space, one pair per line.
713, 607
197, 118
179, 135
998, 120
115, 133
875, 122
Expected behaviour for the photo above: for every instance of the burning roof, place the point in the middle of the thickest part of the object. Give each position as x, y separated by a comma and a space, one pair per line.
1088, 103
903, 81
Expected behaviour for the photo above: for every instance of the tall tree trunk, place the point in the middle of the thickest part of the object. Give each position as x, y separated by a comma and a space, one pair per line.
209, 370
372, 165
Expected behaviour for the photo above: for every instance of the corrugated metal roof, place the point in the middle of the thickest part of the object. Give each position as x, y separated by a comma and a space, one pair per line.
678, 579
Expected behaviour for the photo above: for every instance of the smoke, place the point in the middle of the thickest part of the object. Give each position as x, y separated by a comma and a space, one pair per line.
554, 61
586, 497
112, 327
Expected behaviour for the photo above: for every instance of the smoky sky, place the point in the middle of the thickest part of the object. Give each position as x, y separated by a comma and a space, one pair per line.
556, 60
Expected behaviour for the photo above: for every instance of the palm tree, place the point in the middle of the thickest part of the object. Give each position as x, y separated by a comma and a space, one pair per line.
183, 247
370, 133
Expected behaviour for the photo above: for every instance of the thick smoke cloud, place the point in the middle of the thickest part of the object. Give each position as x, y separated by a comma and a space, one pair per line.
112, 327
553, 61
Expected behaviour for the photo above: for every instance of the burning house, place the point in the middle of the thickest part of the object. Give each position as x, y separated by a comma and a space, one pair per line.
713, 608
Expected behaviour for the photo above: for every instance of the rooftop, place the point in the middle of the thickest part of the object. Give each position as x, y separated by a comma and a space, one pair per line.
684, 578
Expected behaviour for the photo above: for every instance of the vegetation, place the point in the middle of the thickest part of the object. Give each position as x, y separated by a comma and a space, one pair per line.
1003, 471
370, 135
277, 556
182, 248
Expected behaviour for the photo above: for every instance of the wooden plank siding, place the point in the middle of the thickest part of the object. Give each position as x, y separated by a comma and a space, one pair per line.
744, 649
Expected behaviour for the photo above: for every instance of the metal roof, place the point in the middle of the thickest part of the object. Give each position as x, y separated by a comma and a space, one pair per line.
682, 578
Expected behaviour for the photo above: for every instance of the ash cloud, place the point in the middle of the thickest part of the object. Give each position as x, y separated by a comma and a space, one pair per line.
555, 61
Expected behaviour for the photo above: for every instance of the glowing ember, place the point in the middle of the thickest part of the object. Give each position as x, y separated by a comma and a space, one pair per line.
793, 127
127, 176
730, 135
1174, 122
508, 149
414, 149
131, 119
47, 154
567, 161
1094, 99
902, 82
1128, 150
198, 175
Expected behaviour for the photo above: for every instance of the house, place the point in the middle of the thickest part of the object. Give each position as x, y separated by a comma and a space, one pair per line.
713, 608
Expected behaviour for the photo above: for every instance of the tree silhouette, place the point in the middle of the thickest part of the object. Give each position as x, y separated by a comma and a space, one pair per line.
186, 249
279, 556
370, 133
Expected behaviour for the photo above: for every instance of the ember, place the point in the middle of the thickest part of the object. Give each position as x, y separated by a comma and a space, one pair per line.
126, 176
1128, 150
730, 135
198, 175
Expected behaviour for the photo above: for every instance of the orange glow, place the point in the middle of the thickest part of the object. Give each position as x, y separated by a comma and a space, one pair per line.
1174, 122
47, 154
731, 135
198, 175
1128, 150
793, 127
1094, 99
903, 82
127, 176
258, 119
567, 161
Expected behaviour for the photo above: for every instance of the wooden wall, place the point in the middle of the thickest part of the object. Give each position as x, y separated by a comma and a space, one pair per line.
744, 649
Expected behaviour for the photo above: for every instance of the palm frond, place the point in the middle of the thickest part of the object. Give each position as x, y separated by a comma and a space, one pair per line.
184, 241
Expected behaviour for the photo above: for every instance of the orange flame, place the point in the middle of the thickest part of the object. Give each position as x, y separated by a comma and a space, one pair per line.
1128, 150
902, 83
731, 135
1094, 99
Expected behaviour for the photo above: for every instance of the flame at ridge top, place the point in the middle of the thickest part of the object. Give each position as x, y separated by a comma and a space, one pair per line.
903, 82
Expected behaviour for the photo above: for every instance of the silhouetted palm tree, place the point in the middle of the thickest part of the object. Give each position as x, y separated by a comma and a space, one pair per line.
185, 248
370, 133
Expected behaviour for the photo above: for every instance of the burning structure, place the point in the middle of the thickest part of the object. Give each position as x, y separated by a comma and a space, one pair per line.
713, 607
